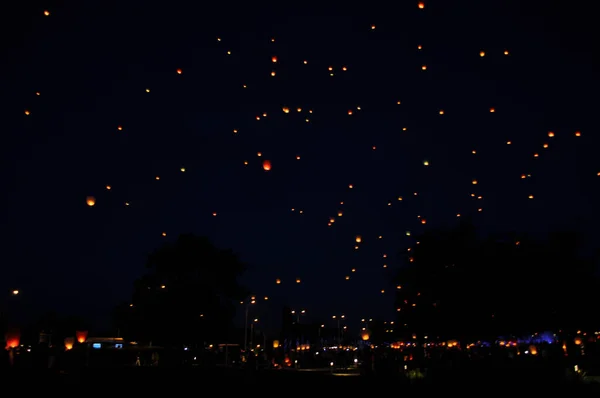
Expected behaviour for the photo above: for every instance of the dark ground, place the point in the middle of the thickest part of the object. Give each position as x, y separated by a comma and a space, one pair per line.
157, 381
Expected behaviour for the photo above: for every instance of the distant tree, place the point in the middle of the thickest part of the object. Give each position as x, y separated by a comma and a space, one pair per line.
456, 284
187, 296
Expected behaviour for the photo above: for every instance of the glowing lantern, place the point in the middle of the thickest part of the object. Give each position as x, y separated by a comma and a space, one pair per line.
179, 71
278, 281
13, 338
358, 238
421, 5
286, 109
577, 341
81, 336
365, 335
90, 200
274, 59
267, 165
69, 341
275, 343
533, 350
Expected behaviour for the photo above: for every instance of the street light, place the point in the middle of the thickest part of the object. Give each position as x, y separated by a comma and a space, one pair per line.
338, 326
250, 302
252, 333
298, 313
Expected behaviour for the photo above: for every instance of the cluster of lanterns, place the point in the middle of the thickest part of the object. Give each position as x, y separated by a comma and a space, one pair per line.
268, 166
13, 339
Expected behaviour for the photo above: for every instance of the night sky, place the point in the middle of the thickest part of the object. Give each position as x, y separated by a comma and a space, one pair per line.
92, 97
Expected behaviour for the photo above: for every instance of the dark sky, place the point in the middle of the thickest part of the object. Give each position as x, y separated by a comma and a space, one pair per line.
91, 63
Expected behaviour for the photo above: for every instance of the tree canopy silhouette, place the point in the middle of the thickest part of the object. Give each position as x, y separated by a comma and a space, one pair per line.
456, 284
187, 296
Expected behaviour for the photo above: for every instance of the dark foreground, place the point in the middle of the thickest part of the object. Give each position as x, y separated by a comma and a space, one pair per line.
155, 381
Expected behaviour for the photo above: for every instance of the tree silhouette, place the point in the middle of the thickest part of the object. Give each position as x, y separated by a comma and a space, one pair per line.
458, 285
187, 295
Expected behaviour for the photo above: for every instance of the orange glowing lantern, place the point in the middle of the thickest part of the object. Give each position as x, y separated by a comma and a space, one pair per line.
274, 59
267, 165
69, 341
365, 335
533, 350
13, 338
81, 336
577, 341
90, 200
275, 343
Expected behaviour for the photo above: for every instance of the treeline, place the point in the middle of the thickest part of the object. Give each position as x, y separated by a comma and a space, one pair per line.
457, 284
187, 295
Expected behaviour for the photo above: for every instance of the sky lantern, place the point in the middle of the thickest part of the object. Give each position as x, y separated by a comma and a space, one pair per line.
482, 53
365, 335
81, 336
550, 134
421, 5
12, 338
90, 200
267, 165
47, 13
69, 341
286, 109
358, 238
274, 59
578, 134
179, 71
278, 281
